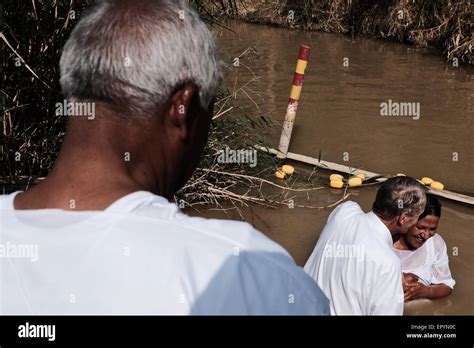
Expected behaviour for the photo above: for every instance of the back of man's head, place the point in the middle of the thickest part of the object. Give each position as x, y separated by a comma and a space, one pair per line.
132, 55
398, 195
150, 69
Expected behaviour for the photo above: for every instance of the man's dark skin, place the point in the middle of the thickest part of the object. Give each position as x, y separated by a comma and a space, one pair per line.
91, 168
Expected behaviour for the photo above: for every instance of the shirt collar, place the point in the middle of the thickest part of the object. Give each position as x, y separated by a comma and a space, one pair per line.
135, 200
382, 230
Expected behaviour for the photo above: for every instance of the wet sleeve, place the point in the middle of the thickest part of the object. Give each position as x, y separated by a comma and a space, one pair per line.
441, 271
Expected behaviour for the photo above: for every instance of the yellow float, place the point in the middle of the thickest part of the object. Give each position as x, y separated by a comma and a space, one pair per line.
287, 169
280, 174
336, 183
336, 177
427, 181
437, 185
355, 181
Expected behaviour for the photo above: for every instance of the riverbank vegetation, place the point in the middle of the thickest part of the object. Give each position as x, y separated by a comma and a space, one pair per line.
445, 24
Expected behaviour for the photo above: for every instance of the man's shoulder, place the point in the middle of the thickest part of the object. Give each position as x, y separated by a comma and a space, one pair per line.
238, 233
249, 253
345, 211
343, 221
214, 235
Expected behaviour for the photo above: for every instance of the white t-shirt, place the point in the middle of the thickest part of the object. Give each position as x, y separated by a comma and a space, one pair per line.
355, 266
143, 256
429, 262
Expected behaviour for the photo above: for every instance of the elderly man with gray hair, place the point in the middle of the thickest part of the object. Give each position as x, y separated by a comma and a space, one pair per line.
108, 240
353, 261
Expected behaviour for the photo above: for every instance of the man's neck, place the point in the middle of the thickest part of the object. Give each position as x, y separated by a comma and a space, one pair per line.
390, 224
89, 186
89, 176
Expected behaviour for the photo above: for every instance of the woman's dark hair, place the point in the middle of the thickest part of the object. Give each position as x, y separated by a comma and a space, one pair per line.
433, 207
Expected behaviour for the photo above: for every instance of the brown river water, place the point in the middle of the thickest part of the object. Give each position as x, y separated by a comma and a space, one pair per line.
339, 116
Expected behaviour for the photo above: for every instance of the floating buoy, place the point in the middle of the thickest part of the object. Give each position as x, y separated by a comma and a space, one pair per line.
336, 177
426, 180
400, 174
360, 175
287, 169
336, 183
437, 185
355, 181
280, 174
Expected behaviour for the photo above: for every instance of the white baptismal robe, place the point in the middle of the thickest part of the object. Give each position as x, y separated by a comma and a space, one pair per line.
143, 256
355, 266
429, 262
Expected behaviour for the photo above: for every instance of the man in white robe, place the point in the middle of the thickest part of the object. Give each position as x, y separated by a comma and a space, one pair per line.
353, 261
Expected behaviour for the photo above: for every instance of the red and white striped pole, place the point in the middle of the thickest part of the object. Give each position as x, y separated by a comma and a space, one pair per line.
295, 93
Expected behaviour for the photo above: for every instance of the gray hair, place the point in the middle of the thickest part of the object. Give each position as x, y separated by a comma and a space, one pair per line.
399, 195
134, 56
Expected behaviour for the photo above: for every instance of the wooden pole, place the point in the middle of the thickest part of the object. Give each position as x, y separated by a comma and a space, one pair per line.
295, 93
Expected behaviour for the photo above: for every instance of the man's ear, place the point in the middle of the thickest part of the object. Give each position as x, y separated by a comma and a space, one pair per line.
178, 114
399, 220
403, 218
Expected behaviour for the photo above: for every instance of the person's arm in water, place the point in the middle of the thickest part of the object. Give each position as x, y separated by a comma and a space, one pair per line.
418, 290
414, 290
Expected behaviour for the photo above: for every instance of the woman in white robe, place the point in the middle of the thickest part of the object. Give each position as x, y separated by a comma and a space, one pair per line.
424, 258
